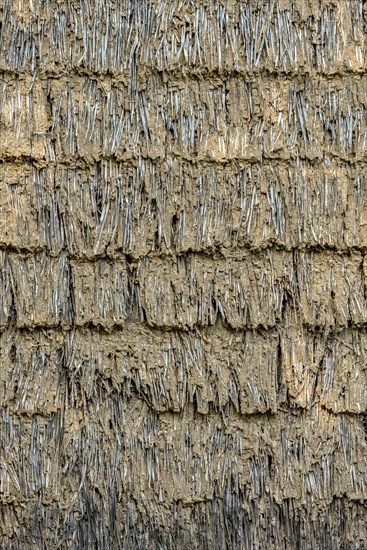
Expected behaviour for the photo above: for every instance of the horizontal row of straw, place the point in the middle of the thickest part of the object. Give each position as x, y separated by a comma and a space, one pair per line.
205, 525
248, 371
80, 117
119, 448
147, 207
111, 36
324, 289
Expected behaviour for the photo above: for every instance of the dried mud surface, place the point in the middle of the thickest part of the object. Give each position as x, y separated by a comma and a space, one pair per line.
183, 275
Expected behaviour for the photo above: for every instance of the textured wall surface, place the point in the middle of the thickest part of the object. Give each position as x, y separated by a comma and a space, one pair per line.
183, 274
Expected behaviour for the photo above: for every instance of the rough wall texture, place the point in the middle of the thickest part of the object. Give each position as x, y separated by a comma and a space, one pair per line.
183, 229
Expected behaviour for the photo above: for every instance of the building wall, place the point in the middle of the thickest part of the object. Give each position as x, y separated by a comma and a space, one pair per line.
183, 230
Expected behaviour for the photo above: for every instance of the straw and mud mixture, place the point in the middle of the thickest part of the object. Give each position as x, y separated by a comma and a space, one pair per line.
183, 274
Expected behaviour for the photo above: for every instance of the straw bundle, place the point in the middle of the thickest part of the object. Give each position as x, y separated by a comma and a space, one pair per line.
183, 215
